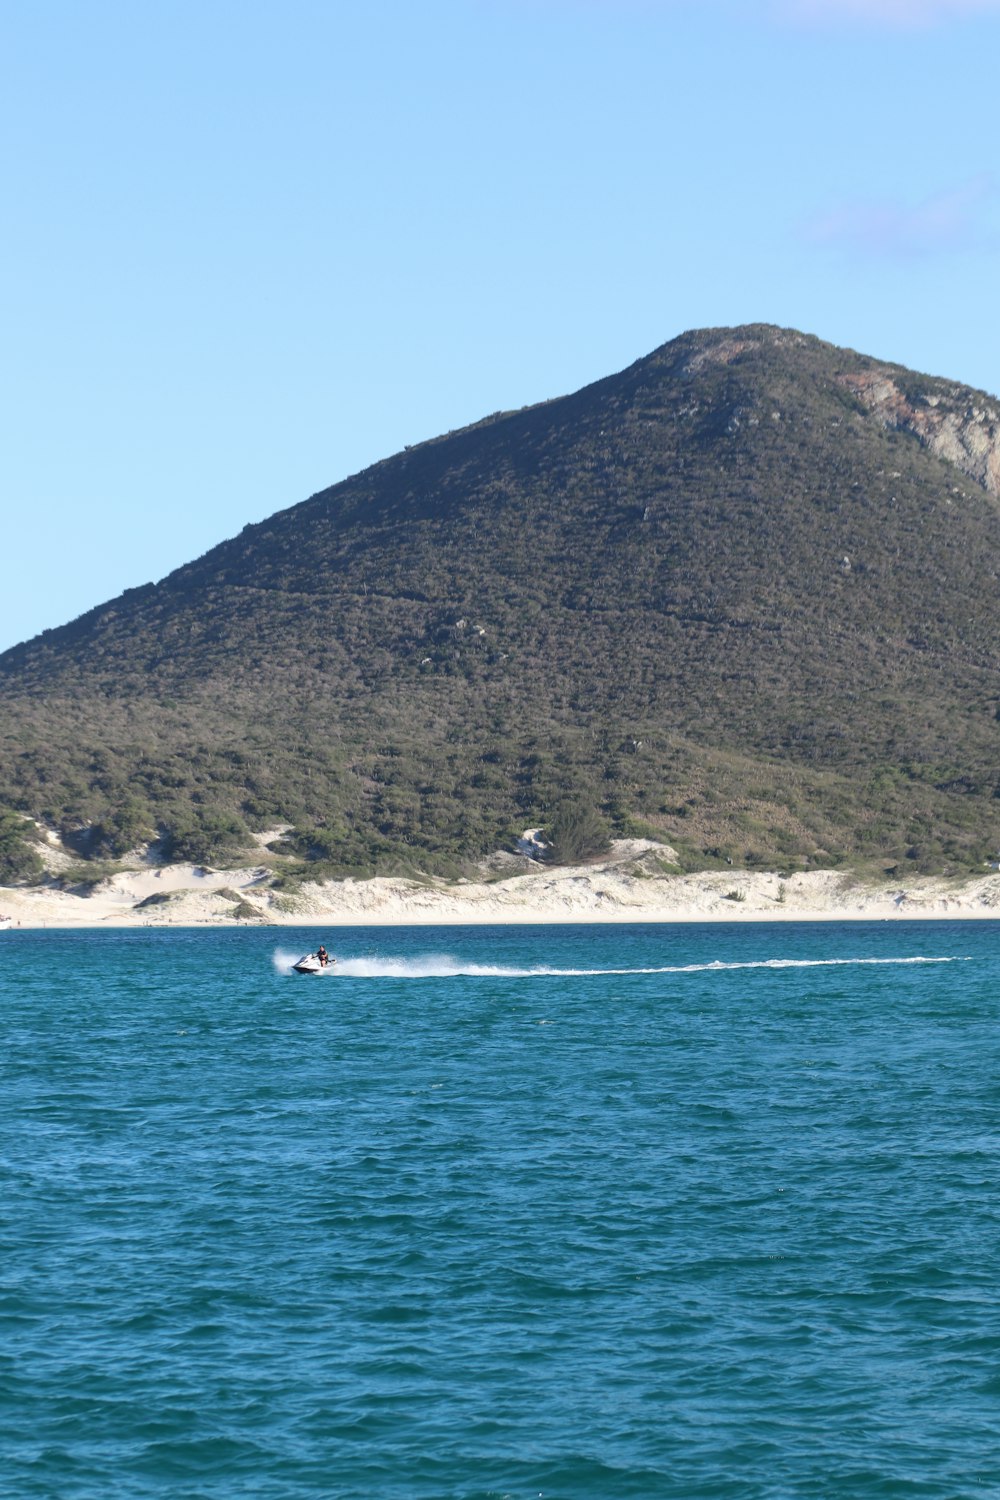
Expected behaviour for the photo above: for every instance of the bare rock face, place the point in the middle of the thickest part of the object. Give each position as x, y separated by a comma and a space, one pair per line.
948, 421
953, 421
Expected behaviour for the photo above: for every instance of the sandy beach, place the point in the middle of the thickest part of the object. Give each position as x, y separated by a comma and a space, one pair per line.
628, 886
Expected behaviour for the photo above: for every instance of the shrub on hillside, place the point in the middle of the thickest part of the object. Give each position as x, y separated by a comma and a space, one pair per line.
576, 831
216, 835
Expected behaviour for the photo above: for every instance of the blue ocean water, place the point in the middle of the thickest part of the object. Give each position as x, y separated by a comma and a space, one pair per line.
682, 1211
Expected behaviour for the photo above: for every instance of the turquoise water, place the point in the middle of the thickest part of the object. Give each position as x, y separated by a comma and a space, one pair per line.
698, 1211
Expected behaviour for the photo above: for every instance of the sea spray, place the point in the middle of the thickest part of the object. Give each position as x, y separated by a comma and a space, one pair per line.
441, 966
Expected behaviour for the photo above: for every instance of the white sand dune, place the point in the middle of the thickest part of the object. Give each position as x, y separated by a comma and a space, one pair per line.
626, 887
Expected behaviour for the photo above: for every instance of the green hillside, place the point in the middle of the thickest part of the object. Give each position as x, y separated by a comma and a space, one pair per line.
742, 595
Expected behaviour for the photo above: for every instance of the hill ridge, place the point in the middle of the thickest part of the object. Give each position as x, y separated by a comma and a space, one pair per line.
764, 559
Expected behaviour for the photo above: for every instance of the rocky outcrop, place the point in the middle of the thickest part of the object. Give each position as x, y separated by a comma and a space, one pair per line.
955, 423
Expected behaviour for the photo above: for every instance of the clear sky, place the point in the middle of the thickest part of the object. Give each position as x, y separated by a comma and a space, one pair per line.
251, 247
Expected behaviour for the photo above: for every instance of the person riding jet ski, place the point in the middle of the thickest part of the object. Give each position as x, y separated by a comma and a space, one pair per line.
314, 963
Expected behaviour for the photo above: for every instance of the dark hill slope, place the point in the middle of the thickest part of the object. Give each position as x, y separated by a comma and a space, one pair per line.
744, 591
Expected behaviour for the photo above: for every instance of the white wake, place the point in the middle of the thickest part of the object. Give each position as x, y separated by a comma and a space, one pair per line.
435, 966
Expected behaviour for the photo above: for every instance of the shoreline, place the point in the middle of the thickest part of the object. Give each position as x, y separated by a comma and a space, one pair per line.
657, 917
627, 887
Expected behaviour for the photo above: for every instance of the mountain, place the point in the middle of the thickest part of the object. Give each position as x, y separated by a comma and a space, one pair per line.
741, 596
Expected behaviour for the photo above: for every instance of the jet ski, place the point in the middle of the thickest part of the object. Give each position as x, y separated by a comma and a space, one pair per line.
311, 964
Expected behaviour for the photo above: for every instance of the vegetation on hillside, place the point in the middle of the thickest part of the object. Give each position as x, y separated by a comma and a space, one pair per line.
19, 858
715, 599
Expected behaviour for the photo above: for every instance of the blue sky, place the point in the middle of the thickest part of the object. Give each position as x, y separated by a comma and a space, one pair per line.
252, 247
